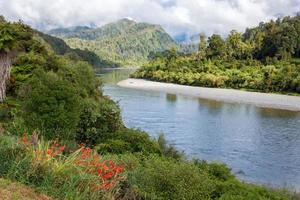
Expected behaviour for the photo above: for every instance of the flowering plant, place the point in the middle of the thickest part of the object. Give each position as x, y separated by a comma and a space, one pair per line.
108, 172
87, 160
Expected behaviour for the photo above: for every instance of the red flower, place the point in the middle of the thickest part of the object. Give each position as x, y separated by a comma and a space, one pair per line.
62, 148
108, 175
108, 172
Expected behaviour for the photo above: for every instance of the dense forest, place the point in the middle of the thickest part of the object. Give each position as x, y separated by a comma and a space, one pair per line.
264, 58
125, 42
62, 137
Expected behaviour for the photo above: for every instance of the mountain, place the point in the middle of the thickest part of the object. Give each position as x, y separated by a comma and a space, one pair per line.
125, 42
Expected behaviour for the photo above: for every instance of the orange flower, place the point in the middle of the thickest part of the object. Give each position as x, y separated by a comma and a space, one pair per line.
108, 186
108, 172
24, 140
108, 175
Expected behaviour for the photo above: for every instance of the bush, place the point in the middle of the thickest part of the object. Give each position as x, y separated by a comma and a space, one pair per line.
98, 120
217, 171
233, 189
51, 105
129, 140
169, 150
160, 178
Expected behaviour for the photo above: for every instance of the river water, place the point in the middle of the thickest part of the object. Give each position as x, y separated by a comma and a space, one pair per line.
260, 145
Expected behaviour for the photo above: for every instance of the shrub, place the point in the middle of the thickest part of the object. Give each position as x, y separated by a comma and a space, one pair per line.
233, 189
169, 150
160, 178
217, 171
98, 120
51, 105
129, 140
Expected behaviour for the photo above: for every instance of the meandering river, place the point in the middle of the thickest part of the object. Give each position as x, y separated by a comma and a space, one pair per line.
260, 145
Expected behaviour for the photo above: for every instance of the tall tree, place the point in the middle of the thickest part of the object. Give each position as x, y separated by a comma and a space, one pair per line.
13, 36
216, 47
5, 66
202, 47
237, 48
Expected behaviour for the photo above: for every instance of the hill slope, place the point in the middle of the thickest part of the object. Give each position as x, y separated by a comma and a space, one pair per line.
59, 47
125, 41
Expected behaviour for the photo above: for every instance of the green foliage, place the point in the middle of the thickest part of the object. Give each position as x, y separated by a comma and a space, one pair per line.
97, 121
51, 105
59, 47
233, 189
128, 140
216, 47
57, 176
162, 178
258, 60
202, 47
167, 179
148, 177
278, 39
13, 36
124, 42
50, 88
169, 150
217, 171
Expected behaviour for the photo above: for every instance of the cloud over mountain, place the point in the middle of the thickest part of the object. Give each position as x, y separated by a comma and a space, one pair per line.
176, 16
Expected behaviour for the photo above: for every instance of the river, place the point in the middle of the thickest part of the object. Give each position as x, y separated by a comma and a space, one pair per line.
260, 145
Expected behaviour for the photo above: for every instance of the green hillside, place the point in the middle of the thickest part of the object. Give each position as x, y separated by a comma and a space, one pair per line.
125, 42
59, 47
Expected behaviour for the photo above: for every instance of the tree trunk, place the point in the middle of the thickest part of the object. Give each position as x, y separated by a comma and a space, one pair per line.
5, 66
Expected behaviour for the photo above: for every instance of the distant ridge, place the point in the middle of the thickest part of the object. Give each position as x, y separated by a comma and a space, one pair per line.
125, 41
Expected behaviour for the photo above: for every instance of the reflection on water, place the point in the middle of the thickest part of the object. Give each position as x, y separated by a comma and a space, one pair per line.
260, 145
171, 97
210, 104
114, 76
269, 112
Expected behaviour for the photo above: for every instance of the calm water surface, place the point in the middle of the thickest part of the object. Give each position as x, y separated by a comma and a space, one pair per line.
260, 145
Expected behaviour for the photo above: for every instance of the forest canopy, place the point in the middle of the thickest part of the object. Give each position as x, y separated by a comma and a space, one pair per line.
264, 58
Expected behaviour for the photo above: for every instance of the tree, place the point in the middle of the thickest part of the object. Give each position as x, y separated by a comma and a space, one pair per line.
13, 36
202, 47
237, 48
216, 47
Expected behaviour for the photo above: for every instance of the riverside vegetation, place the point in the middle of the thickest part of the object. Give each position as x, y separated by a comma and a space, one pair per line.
62, 137
265, 58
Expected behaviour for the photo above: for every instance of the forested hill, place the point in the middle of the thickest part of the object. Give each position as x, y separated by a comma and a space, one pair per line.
126, 42
59, 47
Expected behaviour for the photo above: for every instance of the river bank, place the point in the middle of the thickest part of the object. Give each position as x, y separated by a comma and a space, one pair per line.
265, 100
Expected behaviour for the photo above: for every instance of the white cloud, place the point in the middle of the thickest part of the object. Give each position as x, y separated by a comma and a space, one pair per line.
176, 16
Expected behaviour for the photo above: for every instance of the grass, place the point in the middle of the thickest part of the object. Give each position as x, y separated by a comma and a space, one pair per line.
15, 191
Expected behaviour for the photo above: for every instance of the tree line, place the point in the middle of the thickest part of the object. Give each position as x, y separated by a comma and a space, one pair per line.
264, 58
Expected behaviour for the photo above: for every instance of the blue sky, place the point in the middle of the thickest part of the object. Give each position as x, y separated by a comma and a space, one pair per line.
178, 17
